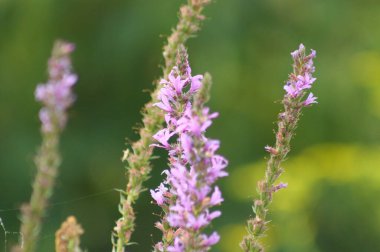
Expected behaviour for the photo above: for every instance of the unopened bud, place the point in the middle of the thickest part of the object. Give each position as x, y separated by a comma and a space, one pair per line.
271, 150
279, 186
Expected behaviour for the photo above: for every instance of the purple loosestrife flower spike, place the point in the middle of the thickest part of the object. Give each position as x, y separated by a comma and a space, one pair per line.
297, 87
188, 192
139, 154
56, 96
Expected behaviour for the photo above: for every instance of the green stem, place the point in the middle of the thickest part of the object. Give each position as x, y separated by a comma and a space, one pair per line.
47, 162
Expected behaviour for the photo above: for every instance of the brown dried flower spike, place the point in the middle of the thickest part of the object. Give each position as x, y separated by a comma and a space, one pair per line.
67, 237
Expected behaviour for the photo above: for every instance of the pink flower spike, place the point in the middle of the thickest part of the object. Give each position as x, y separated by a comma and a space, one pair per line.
57, 95
194, 165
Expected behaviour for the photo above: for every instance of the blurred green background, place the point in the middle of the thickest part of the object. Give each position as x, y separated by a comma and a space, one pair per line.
332, 202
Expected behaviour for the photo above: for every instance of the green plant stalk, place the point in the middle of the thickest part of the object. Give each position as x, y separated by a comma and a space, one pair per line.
138, 156
53, 117
47, 162
287, 124
258, 225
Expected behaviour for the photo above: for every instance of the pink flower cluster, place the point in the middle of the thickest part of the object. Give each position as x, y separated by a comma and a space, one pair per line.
56, 94
302, 80
188, 193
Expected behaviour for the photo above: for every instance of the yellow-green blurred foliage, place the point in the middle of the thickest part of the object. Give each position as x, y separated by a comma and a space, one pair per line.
365, 69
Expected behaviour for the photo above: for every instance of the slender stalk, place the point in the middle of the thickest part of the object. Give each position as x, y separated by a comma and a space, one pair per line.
296, 87
47, 162
57, 97
138, 156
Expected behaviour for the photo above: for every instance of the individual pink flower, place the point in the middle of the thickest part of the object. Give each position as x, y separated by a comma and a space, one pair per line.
159, 194
163, 137
310, 100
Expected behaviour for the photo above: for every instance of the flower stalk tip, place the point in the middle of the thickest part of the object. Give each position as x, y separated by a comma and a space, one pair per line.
67, 238
296, 88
